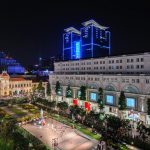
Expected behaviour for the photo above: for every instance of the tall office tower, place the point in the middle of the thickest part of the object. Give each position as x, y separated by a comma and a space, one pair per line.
95, 40
71, 44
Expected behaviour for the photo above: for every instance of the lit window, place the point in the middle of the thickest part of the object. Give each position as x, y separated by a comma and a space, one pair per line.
93, 96
109, 99
130, 102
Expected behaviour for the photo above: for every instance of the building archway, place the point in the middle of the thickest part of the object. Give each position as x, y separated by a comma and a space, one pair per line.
131, 89
110, 87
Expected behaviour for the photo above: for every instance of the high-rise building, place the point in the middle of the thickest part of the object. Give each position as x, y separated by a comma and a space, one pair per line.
71, 44
93, 40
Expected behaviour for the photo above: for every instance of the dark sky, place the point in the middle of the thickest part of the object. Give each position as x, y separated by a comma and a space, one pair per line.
29, 29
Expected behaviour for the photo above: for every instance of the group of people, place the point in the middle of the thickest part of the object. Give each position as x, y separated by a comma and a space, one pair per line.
101, 145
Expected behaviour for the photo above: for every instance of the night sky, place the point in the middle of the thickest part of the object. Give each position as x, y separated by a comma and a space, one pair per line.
32, 29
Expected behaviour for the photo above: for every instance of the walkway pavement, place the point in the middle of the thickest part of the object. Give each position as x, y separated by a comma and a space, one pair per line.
65, 136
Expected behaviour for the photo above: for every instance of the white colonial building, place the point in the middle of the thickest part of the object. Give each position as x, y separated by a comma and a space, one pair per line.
125, 64
133, 80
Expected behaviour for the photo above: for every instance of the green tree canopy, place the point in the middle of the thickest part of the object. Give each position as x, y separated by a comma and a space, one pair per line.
62, 106
122, 101
101, 98
148, 106
57, 88
48, 89
69, 92
83, 92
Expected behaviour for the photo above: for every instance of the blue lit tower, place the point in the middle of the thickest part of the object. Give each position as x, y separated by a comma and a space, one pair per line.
95, 40
71, 44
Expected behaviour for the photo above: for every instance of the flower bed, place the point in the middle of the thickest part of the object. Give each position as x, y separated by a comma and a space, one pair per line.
31, 108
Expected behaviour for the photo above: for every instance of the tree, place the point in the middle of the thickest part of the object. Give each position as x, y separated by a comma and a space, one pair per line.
100, 100
48, 92
122, 102
41, 89
148, 106
57, 88
69, 92
83, 92
62, 106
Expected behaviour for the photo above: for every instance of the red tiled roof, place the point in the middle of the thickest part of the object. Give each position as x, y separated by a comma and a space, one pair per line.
17, 79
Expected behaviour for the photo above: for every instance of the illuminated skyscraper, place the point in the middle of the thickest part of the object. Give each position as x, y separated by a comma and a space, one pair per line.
95, 40
71, 44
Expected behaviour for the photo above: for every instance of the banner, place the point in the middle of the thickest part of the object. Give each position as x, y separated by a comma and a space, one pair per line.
75, 102
87, 106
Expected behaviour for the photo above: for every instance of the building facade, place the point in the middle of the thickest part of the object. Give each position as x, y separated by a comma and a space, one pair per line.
93, 40
17, 86
128, 73
124, 64
136, 88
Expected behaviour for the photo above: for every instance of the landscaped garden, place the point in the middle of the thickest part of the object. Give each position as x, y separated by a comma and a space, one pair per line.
30, 108
13, 137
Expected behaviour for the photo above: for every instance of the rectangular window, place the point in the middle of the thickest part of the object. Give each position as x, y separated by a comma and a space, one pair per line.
79, 94
93, 96
132, 60
142, 66
130, 102
142, 59
109, 99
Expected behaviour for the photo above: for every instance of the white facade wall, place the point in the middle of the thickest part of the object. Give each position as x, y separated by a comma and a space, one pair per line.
137, 63
135, 86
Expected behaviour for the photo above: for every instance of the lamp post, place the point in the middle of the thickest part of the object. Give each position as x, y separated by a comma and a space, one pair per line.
132, 112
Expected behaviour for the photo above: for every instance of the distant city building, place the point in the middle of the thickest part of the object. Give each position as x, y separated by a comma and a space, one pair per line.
10, 64
17, 86
93, 40
44, 67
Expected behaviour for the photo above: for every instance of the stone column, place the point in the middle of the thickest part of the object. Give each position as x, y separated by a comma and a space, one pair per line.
141, 104
74, 93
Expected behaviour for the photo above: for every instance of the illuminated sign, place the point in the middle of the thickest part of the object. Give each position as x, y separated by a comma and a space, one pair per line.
77, 50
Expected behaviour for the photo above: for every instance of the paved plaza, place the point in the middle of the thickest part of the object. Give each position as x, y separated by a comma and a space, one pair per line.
56, 133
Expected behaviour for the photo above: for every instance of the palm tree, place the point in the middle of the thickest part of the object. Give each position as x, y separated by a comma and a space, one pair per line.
122, 104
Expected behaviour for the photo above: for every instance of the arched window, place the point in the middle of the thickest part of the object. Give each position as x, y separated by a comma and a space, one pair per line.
131, 89
93, 86
110, 88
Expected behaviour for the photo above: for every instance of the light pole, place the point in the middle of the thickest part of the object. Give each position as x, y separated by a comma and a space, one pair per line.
132, 112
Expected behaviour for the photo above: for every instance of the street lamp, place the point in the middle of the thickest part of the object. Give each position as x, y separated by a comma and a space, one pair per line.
132, 112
